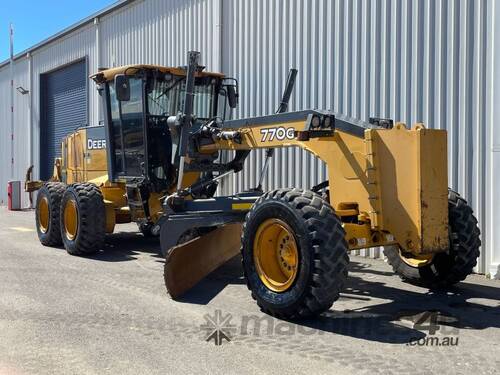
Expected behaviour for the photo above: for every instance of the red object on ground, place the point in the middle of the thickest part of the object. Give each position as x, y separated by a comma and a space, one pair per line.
9, 194
14, 195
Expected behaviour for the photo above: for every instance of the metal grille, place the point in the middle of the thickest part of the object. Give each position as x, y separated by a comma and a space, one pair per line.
64, 105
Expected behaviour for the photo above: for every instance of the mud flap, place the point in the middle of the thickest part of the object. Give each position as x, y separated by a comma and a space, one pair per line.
189, 263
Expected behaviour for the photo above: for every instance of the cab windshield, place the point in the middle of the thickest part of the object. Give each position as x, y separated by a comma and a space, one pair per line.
166, 96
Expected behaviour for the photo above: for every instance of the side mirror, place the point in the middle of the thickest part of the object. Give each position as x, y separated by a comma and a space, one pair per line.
122, 87
232, 96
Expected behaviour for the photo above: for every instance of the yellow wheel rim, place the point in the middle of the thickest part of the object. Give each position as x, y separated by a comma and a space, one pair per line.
416, 260
276, 255
70, 215
43, 214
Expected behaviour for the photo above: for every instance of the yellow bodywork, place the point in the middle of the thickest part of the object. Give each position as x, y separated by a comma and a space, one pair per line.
395, 180
78, 163
387, 184
109, 74
81, 164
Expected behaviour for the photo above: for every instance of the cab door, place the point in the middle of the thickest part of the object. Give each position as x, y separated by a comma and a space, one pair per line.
127, 148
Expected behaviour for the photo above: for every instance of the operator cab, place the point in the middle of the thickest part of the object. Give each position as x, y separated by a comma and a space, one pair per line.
141, 105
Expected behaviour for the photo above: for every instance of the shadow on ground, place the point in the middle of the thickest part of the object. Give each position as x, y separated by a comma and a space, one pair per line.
383, 312
380, 312
125, 246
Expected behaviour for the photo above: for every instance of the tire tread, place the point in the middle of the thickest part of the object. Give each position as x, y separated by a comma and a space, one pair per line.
54, 191
464, 251
91, 219
330, 259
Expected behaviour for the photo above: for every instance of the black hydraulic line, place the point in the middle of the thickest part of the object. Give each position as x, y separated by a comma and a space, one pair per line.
290, 83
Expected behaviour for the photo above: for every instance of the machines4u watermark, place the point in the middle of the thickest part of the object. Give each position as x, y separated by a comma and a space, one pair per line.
433, 322
219, 327
422, 329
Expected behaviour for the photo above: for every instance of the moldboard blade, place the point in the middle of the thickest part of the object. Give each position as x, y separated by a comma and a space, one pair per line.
189, 263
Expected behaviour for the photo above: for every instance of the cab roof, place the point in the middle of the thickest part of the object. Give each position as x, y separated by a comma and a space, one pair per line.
109, 74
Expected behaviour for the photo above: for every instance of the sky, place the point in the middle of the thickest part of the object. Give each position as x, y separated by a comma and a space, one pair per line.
36, 20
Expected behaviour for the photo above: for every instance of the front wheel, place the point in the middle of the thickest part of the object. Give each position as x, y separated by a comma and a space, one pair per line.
443, 269
294, 253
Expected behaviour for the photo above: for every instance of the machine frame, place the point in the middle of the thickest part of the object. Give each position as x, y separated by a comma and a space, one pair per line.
387, 186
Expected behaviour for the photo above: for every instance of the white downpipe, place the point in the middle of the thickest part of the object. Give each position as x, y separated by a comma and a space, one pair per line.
98, 62
30, 116
11, 70
220, 36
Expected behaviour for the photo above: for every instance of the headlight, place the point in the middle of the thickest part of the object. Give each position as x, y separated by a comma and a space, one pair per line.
315, 122
327, 122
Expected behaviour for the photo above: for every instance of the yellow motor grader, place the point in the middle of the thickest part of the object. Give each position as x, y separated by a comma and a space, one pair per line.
166, 146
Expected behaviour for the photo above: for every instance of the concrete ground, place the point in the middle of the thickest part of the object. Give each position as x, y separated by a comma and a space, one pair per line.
109, 313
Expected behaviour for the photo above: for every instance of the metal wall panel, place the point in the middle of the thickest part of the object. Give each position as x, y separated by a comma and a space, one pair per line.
21, 124
21, 127
413, 61
161, 32
4, 132
64, 51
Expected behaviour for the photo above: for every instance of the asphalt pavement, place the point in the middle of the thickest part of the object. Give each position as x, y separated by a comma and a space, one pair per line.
109, 314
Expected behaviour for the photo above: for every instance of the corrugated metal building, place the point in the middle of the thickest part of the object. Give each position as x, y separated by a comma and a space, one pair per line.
430, 61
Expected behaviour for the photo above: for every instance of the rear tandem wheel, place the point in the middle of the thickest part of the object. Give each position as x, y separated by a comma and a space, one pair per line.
443, 269
48, 203
83, 219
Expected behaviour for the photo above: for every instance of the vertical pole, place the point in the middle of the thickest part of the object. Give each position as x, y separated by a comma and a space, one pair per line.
219, 35
30, 114
220, 54
30, 103
11, 39
492, 245
98, 67
187, 112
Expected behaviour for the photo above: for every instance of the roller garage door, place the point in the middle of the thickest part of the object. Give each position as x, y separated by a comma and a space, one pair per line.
63, 109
